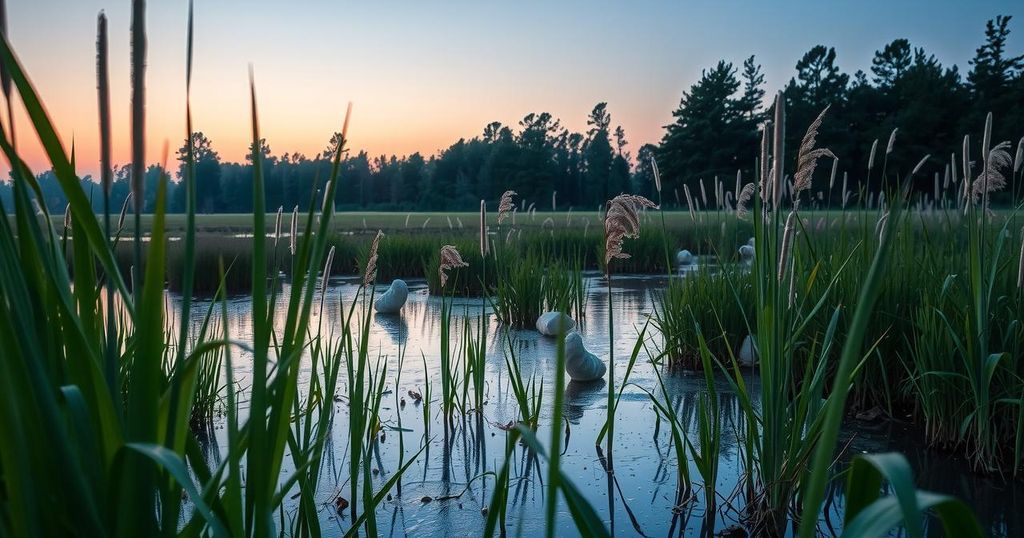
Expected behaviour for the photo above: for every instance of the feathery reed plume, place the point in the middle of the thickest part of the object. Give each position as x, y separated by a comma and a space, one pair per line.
743, 199
871, 156
450, 259
807, 159
505, 205
892, 140
991, 179
294, 231
483, 230
689, 202
787, 244
370, 274
920, 164
327, 273
1018, 158
277, 226
657, 174
622, 221
778, 149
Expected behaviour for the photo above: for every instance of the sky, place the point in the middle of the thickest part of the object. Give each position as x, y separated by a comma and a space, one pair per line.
421, 75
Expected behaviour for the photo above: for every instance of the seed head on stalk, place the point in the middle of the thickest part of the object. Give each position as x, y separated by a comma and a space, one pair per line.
450, 259
622, 221
505, 206
370, 274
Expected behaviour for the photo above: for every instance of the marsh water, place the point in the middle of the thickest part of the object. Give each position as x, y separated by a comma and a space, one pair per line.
638, 498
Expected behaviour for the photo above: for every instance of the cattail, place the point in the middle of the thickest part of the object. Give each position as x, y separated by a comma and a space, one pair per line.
936, 189
138, 117
554, 197
718, 193
277, 226
739, 184
657, 174
424, 226
1020, 263
483, 229
743, 199
787, 244
703, 193
1018, 159
920, 164
945, 178
370, 274
846, 192
621, 222
407, 215
327, 272
103, 92
124, 212
807, 159
678, 202
892, 141
450, 259
505, 205
763, 172
778, 150
689, 202
871, 156
832, 176
986, 138
294, 231
880, 225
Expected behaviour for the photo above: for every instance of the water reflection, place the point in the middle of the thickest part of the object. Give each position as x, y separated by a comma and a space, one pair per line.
639, 495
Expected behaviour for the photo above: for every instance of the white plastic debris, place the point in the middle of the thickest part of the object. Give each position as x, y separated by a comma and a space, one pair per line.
550, 323
580, 364
391, 301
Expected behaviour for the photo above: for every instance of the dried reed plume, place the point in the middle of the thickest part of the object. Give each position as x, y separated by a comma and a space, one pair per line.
743, 199
657, 175
505, 205
807, 159
620, 222
991, 179
450, 259
294, 230
370, 274
483, 230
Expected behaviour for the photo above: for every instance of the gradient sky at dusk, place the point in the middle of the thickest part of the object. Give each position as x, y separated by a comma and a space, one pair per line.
423, 74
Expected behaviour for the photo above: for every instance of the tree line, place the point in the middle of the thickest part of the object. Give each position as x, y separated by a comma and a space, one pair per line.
713, 134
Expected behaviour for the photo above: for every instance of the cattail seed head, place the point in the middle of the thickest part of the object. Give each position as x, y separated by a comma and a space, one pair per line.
483, 229
920, 164
657, 174
892, 141
871, 156
294, 232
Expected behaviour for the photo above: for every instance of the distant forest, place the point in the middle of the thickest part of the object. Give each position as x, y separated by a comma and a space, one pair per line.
713, 133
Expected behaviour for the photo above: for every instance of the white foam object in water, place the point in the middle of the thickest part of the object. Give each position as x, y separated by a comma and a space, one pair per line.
580, 364
548, 323
747, 253
684, 258
391, 301
747, 355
